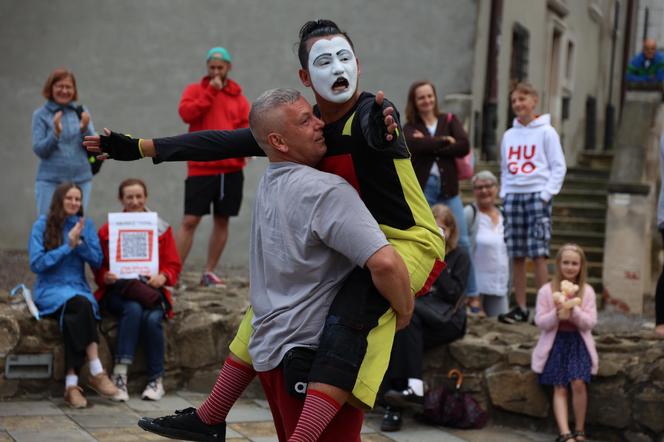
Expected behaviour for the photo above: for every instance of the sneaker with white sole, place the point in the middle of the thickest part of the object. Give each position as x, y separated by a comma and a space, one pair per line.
184, 424
209, 279
154, 390
120, 381
517, 314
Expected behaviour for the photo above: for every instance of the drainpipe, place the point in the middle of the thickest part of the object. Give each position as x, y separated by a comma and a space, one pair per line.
490, 106
627, 51
610, 110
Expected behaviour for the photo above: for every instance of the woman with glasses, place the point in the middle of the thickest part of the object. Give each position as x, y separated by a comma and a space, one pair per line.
58, 128
488, 252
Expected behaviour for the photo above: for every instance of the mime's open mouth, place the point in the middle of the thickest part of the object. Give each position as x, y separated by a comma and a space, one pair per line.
340, 83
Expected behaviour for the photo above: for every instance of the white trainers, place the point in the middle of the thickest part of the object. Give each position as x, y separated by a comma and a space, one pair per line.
154, 390
120, 381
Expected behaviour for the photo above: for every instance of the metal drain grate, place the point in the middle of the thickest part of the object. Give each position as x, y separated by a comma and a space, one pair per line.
38, 366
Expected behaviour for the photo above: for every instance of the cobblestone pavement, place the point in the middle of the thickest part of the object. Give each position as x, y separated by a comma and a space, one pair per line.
249, 420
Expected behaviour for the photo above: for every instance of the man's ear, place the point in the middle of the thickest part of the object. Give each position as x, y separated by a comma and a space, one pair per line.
304, 77
359, 68
277, 142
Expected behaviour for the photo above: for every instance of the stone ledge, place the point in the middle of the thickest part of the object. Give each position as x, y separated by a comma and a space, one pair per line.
197, 340
625, 398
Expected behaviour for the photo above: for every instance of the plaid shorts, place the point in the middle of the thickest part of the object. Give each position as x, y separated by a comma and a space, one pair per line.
527, 225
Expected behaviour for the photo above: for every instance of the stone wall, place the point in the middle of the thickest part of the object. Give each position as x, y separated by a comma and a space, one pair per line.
197, 340
626, 398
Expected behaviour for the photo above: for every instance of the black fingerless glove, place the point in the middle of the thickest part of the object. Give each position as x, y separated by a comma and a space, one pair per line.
377, 130
120, 147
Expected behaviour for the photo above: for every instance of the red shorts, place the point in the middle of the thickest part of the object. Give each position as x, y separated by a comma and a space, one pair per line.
286, 409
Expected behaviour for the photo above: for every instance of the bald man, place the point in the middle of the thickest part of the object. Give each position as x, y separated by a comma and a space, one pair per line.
647, 66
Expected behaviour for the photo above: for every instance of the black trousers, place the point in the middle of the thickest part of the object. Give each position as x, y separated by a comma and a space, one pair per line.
409, 347
353, 314
79, 329
659, 295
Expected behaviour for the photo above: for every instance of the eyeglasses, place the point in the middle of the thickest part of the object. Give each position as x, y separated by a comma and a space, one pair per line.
483, 187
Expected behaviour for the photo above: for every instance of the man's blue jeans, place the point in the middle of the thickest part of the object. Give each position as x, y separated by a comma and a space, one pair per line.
433, 196
136, 322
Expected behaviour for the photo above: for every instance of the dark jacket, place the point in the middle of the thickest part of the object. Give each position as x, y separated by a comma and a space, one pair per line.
424, 151
443, 303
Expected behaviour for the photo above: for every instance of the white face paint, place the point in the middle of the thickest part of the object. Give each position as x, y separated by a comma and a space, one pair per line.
333, 69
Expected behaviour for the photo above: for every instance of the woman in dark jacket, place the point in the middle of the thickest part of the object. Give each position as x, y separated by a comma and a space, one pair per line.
439, 318
436, 139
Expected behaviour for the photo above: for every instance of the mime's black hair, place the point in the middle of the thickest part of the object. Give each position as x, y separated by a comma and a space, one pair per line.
317, 28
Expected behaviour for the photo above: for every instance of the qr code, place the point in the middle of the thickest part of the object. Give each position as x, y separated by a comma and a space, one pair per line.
134, 246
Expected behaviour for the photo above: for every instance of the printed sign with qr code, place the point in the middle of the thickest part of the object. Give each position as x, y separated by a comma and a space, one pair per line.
134, 245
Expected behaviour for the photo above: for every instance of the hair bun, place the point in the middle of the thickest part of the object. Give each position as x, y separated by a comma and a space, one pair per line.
312, 26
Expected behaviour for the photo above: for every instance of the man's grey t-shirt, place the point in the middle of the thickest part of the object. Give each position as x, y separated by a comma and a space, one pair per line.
309, 230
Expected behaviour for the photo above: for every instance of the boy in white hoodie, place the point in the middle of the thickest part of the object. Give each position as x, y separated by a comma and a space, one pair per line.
532, 172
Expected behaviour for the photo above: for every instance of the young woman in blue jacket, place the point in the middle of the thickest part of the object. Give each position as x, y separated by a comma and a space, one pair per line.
61, 243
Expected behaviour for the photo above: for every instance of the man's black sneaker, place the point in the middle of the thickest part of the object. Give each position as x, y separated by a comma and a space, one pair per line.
184, 424
517, 314
404, 399
391, 420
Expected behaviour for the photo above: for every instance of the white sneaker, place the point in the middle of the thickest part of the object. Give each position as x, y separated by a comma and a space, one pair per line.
154, 390
120, 381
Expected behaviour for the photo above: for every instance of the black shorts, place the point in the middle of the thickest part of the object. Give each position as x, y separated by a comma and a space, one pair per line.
223, 191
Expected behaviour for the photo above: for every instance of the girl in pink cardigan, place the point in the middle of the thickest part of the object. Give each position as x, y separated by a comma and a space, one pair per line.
565, 353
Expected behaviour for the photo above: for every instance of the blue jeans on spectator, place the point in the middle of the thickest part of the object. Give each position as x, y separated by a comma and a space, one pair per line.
44, 193
433, 195
136, 322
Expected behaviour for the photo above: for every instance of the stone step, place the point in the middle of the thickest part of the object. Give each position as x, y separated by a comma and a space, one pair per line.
582, 238
593, 253
573, 173
594, 267
577, 209
597, 225
596, 159
583, 172
564, 207
582, 195
585, 182
531, 292
593, 190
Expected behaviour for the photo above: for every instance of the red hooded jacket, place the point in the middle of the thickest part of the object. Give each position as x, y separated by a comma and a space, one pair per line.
169, 262
205, 108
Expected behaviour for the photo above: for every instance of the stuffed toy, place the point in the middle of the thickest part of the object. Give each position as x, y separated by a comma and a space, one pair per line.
567, 297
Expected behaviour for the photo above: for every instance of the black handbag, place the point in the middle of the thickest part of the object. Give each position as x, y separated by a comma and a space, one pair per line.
139, 291
95, 164
433, 311
452, 407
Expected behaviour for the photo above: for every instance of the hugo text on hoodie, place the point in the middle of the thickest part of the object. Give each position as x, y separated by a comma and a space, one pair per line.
532, 159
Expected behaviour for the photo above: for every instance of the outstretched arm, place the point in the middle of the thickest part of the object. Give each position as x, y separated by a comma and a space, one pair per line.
207, 145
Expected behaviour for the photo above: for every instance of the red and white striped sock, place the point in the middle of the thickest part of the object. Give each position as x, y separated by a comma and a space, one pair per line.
318, 410
233, 378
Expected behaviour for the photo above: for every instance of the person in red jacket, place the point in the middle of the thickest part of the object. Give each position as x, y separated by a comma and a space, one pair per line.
122, 297
216, 102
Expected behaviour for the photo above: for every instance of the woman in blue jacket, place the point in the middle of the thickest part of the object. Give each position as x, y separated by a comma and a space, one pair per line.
58, 128
60, 245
